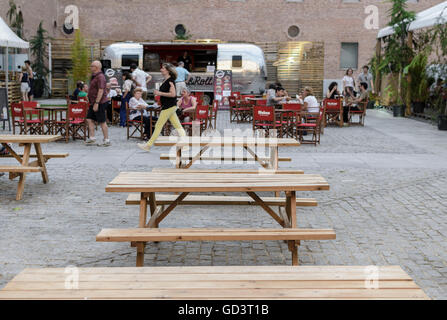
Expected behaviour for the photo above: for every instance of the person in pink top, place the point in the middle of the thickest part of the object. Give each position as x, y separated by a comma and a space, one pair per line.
186, 104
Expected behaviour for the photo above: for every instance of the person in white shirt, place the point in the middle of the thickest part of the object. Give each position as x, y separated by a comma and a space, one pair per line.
183, 76
349, 84
136, 105
310, 103
140, 78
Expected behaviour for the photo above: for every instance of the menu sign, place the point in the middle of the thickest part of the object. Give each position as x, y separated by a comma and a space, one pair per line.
223, 87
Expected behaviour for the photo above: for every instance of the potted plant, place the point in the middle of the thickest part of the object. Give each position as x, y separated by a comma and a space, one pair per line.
417, 87
38, 47
396, 101
397, 52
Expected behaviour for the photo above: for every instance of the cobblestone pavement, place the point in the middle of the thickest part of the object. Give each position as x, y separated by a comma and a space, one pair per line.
387, 204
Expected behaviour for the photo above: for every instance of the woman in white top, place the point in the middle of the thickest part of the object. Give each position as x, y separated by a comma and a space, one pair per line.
349, 84
310, 103
127, 94
136, 105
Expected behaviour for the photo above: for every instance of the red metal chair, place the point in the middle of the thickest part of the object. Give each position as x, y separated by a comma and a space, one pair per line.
17, 116
236, 94
136, 124
333, 110
359, 111
116, 106
312, 124
75, 123
199, 96
264, 119
33, 124
201, 117
245, 96
213, 115
290, 120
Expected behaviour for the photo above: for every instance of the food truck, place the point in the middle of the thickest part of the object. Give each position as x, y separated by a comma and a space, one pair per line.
246, 61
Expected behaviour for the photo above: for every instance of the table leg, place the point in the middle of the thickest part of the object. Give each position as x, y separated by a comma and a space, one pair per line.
291, 212
25, 161
153, 205
142, 224
178, 158
140, 254
143, 210
41, 162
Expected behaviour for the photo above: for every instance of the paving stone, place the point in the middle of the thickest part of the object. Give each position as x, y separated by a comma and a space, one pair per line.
386, 204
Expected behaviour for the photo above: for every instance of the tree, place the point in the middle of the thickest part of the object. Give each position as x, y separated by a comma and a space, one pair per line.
15, 18
79, 58
38, 47
398, 51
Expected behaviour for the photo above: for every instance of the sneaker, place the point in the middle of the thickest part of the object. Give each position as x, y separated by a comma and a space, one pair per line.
144, 146
105, 143
90, 142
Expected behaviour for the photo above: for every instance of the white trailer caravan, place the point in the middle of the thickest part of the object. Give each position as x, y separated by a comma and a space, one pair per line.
245, 60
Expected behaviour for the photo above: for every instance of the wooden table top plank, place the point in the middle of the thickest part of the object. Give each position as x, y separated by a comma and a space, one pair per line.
167, 277
232, 282
208, 284
225, 171
225, 141
200, 294
193, 182
10, 138
383, 270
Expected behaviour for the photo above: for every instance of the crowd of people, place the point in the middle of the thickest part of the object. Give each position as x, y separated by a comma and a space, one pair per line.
175, 100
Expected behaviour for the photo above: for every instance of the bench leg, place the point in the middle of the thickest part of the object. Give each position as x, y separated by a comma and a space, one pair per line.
140, 254
25, 160
291, 213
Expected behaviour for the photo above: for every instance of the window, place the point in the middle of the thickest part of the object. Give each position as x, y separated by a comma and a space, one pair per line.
293, 31
127, 60
236, 62
349, 55
180, 30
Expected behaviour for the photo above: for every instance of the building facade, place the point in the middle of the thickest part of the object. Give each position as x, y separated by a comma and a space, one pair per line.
347, 28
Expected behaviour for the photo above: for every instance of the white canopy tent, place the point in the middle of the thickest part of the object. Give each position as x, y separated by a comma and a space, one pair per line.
427, 18
9, 39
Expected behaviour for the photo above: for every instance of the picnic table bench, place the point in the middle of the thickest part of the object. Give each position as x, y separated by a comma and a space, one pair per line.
250, 144
216, 282
25, 165
147, 184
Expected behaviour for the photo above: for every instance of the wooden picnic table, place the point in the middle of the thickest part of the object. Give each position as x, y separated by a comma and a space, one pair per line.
25, 166
216, 282
204, 143
184, 182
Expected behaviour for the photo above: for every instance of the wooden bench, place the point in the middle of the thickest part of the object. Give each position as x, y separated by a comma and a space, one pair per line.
46, 155
241, 171
167, 199
19, 169
139, 236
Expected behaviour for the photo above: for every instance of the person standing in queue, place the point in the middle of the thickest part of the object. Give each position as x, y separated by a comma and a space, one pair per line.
169, 107
186, 59
98, 104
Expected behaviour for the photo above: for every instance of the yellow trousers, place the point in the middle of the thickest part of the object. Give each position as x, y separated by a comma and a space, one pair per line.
165, 115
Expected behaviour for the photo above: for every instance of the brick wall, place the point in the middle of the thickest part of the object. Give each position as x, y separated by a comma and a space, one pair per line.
328, 21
